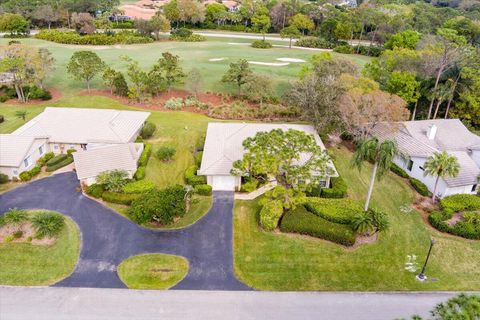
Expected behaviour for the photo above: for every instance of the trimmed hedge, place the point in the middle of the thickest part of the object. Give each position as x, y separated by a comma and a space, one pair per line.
190, 38
95, 190
270, 215
250, 185
191, 177
45, 158
140, 186
28, 175
59, 165
3, 178
120, 198
460, 202
463, 229
203, 189
122, 37
145, 156
57, 159
315, 42
335, 210
303, 222
419, 186
198, 158
140, 173
261, 44
347, 49
398, 171
337, 190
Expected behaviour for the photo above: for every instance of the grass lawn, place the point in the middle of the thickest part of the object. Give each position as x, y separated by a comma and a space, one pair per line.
152, 271
272, 261
192, 55
28, 265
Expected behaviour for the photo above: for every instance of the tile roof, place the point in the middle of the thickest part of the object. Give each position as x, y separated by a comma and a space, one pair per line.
78, 125
13, 149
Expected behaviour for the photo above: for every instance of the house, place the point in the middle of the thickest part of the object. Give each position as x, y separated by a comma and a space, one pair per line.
60, 129
418, 140
224, 146
90, 163
232, 6
20, 153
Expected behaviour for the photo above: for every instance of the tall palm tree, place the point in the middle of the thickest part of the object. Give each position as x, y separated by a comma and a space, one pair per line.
441, 165
381, 154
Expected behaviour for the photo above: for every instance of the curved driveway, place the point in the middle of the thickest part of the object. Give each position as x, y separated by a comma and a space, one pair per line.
108, 238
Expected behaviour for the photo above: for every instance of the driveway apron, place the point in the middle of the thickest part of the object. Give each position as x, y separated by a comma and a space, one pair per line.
108, 238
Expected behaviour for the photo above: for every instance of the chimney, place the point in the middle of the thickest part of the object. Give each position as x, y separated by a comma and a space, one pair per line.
431, 132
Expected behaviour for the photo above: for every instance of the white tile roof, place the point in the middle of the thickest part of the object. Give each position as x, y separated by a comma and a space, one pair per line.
91, 163
78, 125
223, 144
451, 136
13, 149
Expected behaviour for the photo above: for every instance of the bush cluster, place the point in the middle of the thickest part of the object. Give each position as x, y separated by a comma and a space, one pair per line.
241, 111
261, 44
45, 158
398, 171
28, 175
143, 161
315, 42
174, 104
347, 49
148, 130
270, 215
462, 228
59, 161
203, 189
338, 189
334, 210
165, 154
140, 186
419, 186
95, 190
191, 177
120, 198
48, 223
140, 173
303, 222
3, 178
198, 158
460, 202
122, 37
250, 185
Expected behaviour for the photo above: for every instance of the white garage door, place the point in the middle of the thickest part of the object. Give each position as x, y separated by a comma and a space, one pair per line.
223, 183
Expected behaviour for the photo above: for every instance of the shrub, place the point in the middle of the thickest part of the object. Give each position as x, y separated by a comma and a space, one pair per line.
339, 189
461, 228
148, 130
45, 158
3, 178
59, 165
419, 186
123, 25
140, 186
315, 42
261, 44
36, 93
48, 223
398, 171
145, 156
369, 51
120, 86
120, 198
203, 189
3, 99
2, 118
162, 206
191, 177
95, 190
113, 180
57, 159
270, 215
15, 216
174, 104
303, 222
181, 32
123, 37
198, 158
25, 176
34, 171
18, 234
165, 153
334, 210
140, 173
347, 49
70, 151
8, 238
460, 202
250, 185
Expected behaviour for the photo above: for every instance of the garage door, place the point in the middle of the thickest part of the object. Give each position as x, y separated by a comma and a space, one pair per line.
223, 183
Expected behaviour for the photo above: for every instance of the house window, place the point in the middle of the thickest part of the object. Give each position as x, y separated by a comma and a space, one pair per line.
474, 188
421, 168
322, 183
55, 146
26, 162
410, 165
15, 172
40, 150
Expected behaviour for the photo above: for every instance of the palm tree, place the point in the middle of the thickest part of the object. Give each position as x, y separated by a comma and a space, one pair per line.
441, 165
381, 154
362, 223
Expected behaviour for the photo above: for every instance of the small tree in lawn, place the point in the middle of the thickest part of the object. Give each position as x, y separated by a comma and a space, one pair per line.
441, 165
170, 68
258, 87
194, 81
381, 154
108, 77
159, 24
238, 74
113, 180
291, 32
261, 22
85, 65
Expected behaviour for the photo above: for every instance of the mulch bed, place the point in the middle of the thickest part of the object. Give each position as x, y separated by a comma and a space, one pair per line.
56, 95
28, 232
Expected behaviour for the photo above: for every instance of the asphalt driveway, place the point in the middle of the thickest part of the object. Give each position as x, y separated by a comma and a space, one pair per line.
108, 238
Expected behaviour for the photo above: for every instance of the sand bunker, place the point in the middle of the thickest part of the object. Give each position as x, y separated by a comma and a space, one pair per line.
290, 60
271, 64
216, 59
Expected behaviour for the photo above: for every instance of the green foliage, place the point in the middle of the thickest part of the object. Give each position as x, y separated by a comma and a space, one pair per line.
372, 51
3, 178
120, 86
145, 156
48, 223
123, 37
13, 23
250, 185
113, 180
303, 222
460, 202
25, 176
335, 210
161, 206
45, 158
362, 222
190, 38
270, 215
465, 229
191, 177
95, 190
347, 49
148, 130
35, 170
140, 186
174, 104
165, 153
419, 186
404, 84
15, 217
140, 173
203, 189
65, 162
398, 171
237, 74
315, 42
18, 234
85, 65
337, 190
198, 158
119, 198
56, 159
70, 151
441, 165
462, 306
240, 111
261, 44
407, 39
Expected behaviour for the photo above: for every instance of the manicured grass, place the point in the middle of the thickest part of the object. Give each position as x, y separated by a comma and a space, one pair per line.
23, 264
152, 271
272, 261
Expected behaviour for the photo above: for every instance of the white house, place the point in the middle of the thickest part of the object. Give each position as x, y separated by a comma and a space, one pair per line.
418, 140
20, 153
224, 146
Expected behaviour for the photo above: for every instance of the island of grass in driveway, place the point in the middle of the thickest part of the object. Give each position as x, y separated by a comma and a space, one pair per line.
275, 261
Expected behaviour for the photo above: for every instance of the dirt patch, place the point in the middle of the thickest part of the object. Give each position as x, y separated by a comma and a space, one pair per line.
365, 239
28, 235
454, 219
56, 95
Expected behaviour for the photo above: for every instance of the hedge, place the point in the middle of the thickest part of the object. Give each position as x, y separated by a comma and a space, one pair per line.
198, 158
145, 156
203, 189
140, 173
95, 190
45, 158
460, 202
334, 210
191, 177
140, 186
191, 38
123, 37
347, 49
398, 171
337, 190
261, 44
28, 175
270, 215
120, 198
57, 159
3, 178
461, 228
303, 222
419, 186
59, 165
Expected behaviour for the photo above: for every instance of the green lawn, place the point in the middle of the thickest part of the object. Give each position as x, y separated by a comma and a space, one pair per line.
152, 271
28, 265
191, 54
272, 261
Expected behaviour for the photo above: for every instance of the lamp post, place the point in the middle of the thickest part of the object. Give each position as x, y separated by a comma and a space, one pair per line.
421, 276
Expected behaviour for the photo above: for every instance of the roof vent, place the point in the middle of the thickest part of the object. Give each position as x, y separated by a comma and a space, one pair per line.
432, 131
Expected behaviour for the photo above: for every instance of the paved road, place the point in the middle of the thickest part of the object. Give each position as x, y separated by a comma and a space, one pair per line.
74, 303
108, 238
